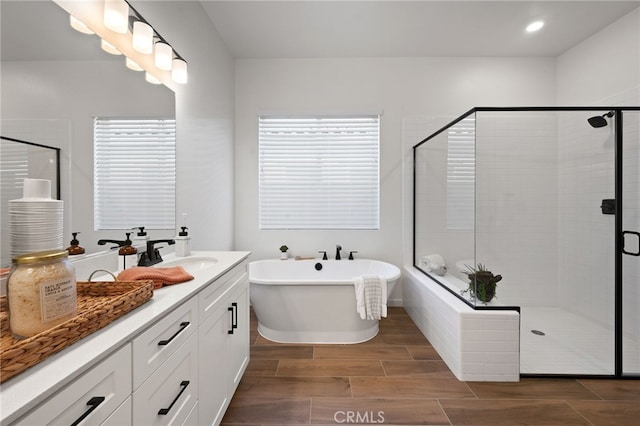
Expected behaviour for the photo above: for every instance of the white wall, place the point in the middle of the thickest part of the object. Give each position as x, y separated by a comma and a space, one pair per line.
441, 88
602, 70
603, 66
205, 117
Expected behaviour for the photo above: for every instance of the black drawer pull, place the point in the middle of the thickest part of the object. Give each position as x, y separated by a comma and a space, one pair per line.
93, 403
183, 325
165, 411
234, 324
230, 309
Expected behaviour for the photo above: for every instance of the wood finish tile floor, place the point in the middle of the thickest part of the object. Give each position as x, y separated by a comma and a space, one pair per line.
398, 378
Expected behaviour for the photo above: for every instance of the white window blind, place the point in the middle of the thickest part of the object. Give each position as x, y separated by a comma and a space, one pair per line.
461, 174
134, 173
319, 172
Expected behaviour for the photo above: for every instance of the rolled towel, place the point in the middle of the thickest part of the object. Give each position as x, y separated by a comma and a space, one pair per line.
433, 263
159, 276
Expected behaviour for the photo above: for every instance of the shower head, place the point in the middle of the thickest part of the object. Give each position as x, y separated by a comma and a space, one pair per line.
600, 120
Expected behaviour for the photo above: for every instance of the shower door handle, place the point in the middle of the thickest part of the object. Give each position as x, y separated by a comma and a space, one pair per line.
637, 234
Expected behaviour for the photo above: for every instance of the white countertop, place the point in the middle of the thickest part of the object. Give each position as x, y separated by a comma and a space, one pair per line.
24, 391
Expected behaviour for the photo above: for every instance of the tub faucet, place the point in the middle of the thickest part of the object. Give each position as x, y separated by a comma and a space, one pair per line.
338, 248
152, 255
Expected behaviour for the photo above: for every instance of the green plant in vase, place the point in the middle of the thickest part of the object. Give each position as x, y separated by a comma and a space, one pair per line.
482, 282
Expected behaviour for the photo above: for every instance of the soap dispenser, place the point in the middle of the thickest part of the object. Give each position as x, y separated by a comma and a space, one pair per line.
141, 237
182, 243
127, 255
75, 248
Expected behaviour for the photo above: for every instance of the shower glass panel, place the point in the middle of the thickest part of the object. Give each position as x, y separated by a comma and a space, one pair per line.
631, 243
529, 194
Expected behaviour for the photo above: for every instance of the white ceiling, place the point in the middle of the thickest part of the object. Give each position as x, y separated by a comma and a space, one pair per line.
396, 28
39, 30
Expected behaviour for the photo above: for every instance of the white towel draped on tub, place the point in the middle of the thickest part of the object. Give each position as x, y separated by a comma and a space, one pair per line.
371, 296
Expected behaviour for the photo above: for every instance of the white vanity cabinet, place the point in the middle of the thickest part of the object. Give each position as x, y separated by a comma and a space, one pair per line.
224, 343
90, 399
176, 360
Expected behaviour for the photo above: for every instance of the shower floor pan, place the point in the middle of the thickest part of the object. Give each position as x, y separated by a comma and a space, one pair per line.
556, 341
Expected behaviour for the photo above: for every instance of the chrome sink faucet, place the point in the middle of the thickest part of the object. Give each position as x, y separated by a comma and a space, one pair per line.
338, 248
152, 255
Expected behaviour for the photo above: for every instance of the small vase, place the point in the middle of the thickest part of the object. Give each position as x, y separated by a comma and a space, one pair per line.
284, 255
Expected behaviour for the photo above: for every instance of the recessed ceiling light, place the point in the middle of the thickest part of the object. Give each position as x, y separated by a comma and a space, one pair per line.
535, 26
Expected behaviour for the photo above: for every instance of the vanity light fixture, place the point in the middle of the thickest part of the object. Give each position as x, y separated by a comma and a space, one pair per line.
116, 15
132, 65
78, 25
121, 17
179, 71
109, 48
142, 37
535, 26
163, 55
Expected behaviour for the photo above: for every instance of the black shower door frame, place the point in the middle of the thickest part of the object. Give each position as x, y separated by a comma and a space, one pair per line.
619, 251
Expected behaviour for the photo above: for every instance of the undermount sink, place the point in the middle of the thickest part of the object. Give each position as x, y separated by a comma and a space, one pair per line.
190, 264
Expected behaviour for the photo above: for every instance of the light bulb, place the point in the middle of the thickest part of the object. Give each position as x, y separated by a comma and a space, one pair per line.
132, 65
535, 26
116, 15
151, 79
109, 48
163, 56
142, 37
78, 25
179, 71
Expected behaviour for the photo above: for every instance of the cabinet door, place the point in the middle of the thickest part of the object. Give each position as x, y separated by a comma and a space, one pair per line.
212, 337
152, 347
91, 398
170, 393
214, 293
238, 341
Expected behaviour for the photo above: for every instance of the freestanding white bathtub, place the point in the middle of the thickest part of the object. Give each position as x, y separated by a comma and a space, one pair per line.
313, 301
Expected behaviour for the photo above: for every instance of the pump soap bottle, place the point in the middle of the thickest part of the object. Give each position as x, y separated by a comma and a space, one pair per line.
141, 237
75, 248
182, 243
127, 255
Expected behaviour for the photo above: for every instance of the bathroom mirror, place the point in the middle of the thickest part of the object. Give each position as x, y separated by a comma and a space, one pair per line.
55, 81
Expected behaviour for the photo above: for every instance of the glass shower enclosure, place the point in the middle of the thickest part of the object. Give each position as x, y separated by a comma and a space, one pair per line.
538, 209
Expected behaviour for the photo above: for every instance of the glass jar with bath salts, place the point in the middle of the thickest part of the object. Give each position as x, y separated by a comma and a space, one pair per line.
41, 292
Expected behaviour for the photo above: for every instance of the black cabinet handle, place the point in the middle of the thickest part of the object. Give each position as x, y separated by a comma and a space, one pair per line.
165, 411
234, 317
93, 403
234, 324
183, 325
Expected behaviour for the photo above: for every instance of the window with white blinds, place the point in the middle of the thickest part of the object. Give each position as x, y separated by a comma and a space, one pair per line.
319, 172
134, 173
461, 172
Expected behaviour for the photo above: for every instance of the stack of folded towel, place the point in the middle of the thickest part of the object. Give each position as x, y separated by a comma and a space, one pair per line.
159, 276
371, 296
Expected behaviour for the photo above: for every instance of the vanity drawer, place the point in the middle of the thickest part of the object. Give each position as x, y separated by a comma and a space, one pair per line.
91, 398
169, 395
210, 296
155, 345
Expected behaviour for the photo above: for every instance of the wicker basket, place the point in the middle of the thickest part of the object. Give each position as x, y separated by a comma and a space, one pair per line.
99, 303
